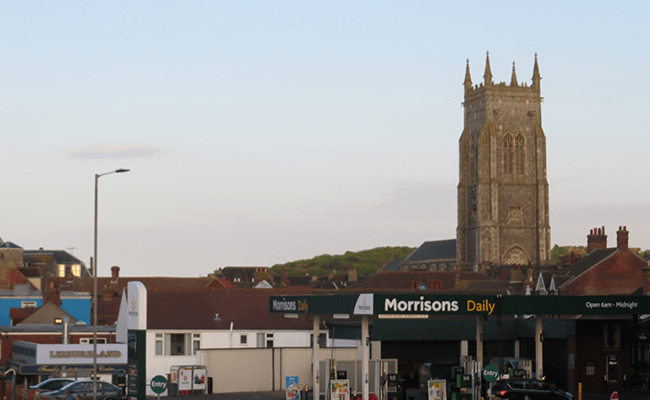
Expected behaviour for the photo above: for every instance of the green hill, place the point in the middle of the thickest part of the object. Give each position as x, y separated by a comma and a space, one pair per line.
365, 262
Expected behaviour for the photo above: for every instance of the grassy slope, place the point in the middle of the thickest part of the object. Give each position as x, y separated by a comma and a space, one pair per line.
365, 261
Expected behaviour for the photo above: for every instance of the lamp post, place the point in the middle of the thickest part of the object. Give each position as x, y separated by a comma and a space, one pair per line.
97, 176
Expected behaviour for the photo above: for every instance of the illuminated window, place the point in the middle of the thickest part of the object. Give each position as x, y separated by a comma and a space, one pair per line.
76, 270
61, 271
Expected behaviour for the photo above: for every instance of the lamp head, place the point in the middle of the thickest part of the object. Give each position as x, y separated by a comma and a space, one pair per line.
121, 170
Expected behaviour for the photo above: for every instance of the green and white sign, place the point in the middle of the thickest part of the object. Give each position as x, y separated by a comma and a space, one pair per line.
491, 373
158, 384
458, 304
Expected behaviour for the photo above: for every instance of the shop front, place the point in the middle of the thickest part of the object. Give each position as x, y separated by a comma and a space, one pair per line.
34, 362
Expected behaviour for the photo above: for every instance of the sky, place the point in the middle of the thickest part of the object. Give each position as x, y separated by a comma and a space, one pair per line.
259, 132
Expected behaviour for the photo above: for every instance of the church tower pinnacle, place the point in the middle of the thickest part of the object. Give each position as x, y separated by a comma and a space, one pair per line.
503, 213
468, 77
487, 76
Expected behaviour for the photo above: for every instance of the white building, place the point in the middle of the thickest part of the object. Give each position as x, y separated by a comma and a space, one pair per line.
184, 325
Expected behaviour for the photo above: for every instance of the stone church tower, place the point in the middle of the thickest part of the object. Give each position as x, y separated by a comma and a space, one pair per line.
503, 215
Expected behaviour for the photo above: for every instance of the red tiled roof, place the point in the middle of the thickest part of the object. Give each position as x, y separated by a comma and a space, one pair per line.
404, 279
108, 309
198, 308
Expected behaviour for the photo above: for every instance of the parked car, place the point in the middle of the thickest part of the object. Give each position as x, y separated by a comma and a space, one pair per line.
51, 384
83, 390
520, 389
513, 365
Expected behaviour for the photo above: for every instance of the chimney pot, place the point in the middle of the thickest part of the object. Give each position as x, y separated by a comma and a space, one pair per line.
622, 238
115, 273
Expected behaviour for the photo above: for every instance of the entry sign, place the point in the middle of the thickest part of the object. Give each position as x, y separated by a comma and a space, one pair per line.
158, 384
490, 373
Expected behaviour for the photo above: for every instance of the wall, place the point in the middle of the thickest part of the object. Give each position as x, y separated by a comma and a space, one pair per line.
621, 273
214, 340
253, 370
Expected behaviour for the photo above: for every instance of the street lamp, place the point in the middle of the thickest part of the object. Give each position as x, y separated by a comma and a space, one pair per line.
97, 176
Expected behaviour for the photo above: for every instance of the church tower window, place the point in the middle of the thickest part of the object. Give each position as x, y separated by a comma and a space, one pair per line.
508, 154
513, 154
516, 256
519, 155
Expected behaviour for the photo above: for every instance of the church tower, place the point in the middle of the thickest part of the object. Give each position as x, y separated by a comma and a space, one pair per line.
503, 215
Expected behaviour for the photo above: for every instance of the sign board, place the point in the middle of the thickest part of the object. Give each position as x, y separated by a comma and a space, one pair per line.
292, 387
449, 304
158, 384
137, 367
185, 378
340, 389
136, 317
491, 373
437, 389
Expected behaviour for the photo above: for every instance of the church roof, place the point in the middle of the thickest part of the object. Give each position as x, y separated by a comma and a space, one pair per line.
434, 250
9, 245
392, 266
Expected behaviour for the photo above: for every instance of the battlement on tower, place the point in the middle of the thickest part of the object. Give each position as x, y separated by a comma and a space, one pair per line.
514, 89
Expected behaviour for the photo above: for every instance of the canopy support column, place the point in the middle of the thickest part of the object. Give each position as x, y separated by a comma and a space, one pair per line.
539, 347
315, 360
365, 346
479, 340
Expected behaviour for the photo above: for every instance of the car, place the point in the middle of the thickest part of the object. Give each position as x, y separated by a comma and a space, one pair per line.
84, 390
533, 389
514, 365
49, 385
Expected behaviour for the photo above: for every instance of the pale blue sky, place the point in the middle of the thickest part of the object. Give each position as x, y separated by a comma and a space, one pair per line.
264, 132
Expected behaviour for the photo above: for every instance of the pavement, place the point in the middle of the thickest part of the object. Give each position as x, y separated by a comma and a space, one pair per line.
280, 395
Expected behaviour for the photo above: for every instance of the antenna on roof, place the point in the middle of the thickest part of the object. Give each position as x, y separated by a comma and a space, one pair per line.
71, 249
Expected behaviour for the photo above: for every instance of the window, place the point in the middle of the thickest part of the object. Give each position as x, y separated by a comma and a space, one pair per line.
177, 343
28, 304
61, 271
519, 155
90, 341
196, 342
508, 148
243, 339
260, 340
516, 256
269, 340
514, 152
159, 344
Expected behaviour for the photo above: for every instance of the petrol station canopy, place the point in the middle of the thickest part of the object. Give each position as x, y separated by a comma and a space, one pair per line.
451, 304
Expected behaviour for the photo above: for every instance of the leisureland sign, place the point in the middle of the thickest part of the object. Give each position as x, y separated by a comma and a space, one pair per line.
429, 304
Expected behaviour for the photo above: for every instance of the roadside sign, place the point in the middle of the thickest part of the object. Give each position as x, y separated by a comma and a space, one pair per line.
158, 384
490, 373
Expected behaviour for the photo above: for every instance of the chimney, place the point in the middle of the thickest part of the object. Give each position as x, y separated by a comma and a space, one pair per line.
352, 274
107, 293
414, 285
52, 293
622, 238
596, 239
516, 275
115, 273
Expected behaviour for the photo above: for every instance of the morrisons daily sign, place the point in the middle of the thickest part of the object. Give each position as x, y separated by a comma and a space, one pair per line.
428, 304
